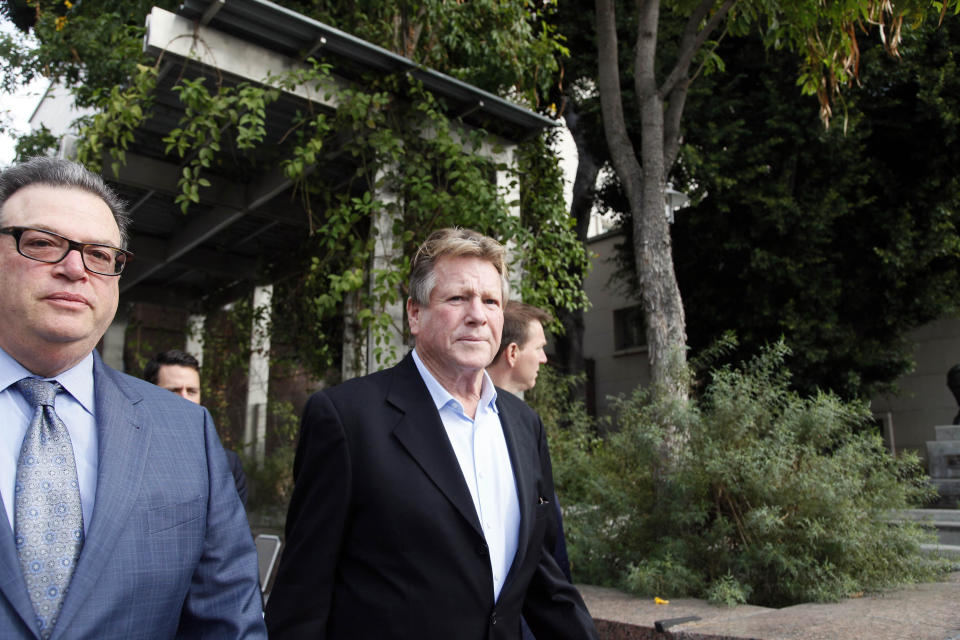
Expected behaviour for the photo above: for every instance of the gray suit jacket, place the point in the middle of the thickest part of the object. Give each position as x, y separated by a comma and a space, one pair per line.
168, 551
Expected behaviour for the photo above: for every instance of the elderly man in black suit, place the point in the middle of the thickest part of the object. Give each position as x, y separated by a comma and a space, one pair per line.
422, 498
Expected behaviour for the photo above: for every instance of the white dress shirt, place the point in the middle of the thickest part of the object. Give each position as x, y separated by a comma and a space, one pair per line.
485, 462
75, 406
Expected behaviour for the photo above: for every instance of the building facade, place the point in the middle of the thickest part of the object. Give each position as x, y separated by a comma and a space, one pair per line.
617, 358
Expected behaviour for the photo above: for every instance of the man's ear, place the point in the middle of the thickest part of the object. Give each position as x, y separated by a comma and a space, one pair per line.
510, 353
413, 316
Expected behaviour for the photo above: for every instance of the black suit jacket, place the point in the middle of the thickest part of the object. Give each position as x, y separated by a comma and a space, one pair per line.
383, 541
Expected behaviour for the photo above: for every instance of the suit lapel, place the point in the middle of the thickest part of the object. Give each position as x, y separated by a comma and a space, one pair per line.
123, 440
520, 454
421, 433
12, 585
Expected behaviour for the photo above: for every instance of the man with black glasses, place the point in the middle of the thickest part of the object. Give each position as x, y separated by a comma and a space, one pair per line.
120, 514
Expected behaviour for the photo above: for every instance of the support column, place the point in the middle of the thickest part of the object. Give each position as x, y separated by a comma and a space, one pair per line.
508, 182
353, 362
255, 425
367, 350
385, 350
195, 325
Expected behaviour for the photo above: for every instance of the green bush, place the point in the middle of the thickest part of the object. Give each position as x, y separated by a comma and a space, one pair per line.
727, 590
747, 492
271, 483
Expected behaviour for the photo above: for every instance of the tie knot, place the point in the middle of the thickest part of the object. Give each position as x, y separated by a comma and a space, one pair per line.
39, 393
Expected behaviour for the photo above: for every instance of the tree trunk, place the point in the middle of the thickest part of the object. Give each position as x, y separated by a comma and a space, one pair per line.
645, 187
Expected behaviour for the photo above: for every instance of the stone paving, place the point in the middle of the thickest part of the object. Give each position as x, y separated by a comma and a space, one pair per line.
929, 611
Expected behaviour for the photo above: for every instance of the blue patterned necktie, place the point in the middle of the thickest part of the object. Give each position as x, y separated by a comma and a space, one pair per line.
48, 518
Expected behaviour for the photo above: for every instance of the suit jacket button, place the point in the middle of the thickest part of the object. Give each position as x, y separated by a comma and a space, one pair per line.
493, 618
482, 550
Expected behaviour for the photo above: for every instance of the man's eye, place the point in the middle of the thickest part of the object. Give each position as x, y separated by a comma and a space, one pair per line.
38, 243
99, 254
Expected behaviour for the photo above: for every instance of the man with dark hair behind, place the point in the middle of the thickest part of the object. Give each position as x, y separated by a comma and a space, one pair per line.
175, 371
179, 372
521, 352
514, 369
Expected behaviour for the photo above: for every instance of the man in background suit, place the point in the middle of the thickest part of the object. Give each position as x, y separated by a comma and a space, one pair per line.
176, 371
521, 351
179, 372
514, 369
160, 547
422, 497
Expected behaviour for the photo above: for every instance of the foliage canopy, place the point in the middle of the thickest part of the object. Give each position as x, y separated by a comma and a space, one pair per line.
643, 90
840, 242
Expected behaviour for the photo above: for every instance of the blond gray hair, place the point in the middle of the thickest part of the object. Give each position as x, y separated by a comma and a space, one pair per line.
454, 242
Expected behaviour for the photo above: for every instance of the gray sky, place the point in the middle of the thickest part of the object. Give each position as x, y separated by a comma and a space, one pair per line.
16, 108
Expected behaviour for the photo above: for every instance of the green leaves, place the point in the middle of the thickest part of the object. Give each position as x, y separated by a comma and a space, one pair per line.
122, 110
814, 231
504, 46
207, 118
775, 498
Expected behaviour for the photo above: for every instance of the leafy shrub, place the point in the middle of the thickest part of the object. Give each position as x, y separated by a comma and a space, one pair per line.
748, 491
271, 483
727, 590
657, 576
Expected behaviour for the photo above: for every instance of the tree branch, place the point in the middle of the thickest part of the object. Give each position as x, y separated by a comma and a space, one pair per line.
645, 57
622, 153
671, 124
693, 39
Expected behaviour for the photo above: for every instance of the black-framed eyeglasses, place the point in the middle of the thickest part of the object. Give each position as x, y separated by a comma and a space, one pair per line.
46, 246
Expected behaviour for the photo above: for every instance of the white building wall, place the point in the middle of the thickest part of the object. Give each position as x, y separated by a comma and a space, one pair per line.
57, 112
614, 372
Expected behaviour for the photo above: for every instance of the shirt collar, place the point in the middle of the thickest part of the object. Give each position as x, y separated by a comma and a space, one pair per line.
441, 397
77, 380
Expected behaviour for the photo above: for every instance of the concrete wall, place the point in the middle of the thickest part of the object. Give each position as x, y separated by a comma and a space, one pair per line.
924, 400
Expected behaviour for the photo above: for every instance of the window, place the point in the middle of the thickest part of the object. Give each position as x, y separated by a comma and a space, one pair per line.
629, 328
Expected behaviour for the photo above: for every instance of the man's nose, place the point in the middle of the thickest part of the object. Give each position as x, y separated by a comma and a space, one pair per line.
72, 265
475, 309
183, 393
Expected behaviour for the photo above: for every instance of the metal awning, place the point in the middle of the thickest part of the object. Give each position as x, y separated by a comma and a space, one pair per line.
299, 37
249, 224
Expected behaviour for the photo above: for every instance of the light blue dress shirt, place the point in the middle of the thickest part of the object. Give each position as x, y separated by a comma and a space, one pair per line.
76, 407
485, 462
